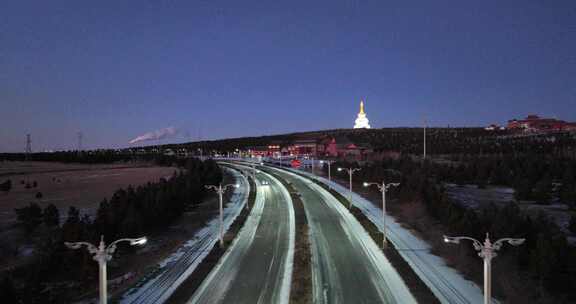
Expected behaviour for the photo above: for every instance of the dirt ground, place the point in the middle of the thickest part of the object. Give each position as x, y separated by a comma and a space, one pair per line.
64, 185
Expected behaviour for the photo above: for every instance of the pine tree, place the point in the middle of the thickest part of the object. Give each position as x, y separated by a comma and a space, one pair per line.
567, 191
572, 225
51, 216
6, 186
542, 190
8, 291
30, 217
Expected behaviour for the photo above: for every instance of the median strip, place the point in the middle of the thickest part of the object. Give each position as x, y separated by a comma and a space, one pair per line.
301, 290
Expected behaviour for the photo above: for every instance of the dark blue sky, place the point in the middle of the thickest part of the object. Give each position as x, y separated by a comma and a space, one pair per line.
117, 69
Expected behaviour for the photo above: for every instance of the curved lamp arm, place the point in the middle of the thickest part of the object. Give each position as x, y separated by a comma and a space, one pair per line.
137, 241
349, 170
382, 186
456, 240
367, 184
511, 241
77, 245
212, 187
230, 186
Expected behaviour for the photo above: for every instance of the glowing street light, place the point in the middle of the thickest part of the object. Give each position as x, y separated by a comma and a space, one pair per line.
486, 251
220, 190
383, 187
102, 255
350, 172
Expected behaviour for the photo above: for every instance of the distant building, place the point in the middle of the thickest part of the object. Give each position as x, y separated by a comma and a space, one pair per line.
306, 147
315, 146
342, 147
258, 151
361, 121
494, 127
534, 123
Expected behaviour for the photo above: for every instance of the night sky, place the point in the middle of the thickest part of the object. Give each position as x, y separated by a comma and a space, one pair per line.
115, 70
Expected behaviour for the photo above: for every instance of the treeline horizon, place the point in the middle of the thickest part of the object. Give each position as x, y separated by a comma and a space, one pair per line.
440, 141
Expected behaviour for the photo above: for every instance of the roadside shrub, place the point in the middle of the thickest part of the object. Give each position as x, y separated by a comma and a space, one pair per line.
51, 216
29, 217
6, 186
572, 225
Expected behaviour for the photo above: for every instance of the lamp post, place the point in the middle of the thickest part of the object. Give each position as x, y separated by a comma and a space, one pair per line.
383, 187
350, 172
486, 251
103, 254
254, 171
329, 171
220, 190
312, 164
424, 149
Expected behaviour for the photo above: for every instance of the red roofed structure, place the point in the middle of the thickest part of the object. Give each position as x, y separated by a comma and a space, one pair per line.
534, 123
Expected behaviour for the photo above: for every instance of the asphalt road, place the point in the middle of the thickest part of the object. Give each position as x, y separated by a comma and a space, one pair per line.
448, 285
161, 284
257, 268
347, 265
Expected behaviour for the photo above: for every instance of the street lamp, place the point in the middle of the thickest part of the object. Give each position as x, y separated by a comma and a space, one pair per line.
487, 251
329, 171
253, 171
350, 172
103, 254
312, 164
383, 187
220, 190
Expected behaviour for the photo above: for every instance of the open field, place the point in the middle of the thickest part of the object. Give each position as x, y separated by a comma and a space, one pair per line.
64, 185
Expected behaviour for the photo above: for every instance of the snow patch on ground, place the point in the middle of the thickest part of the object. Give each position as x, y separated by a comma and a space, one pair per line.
470, 196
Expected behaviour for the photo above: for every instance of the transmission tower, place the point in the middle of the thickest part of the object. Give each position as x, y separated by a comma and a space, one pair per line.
28, 146
79, 141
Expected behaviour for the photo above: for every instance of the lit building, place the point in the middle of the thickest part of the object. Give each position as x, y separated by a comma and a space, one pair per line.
534, 123
361, 121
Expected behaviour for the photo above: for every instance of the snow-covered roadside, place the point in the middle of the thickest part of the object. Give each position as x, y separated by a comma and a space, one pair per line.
174, 270
445, 282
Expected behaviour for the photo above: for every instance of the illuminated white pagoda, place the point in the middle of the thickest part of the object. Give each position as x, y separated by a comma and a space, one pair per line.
361, 121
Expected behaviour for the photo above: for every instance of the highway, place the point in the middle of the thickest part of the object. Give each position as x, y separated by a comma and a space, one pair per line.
161, 284
347, 265
257, 268
448, 285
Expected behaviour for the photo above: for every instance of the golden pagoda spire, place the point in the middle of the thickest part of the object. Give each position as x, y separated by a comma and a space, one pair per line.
361, 121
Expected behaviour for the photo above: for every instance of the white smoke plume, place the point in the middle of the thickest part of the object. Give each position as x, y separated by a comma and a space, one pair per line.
158, 134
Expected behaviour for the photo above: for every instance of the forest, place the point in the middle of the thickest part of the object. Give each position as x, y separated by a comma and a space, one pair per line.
546, 257
130, 212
